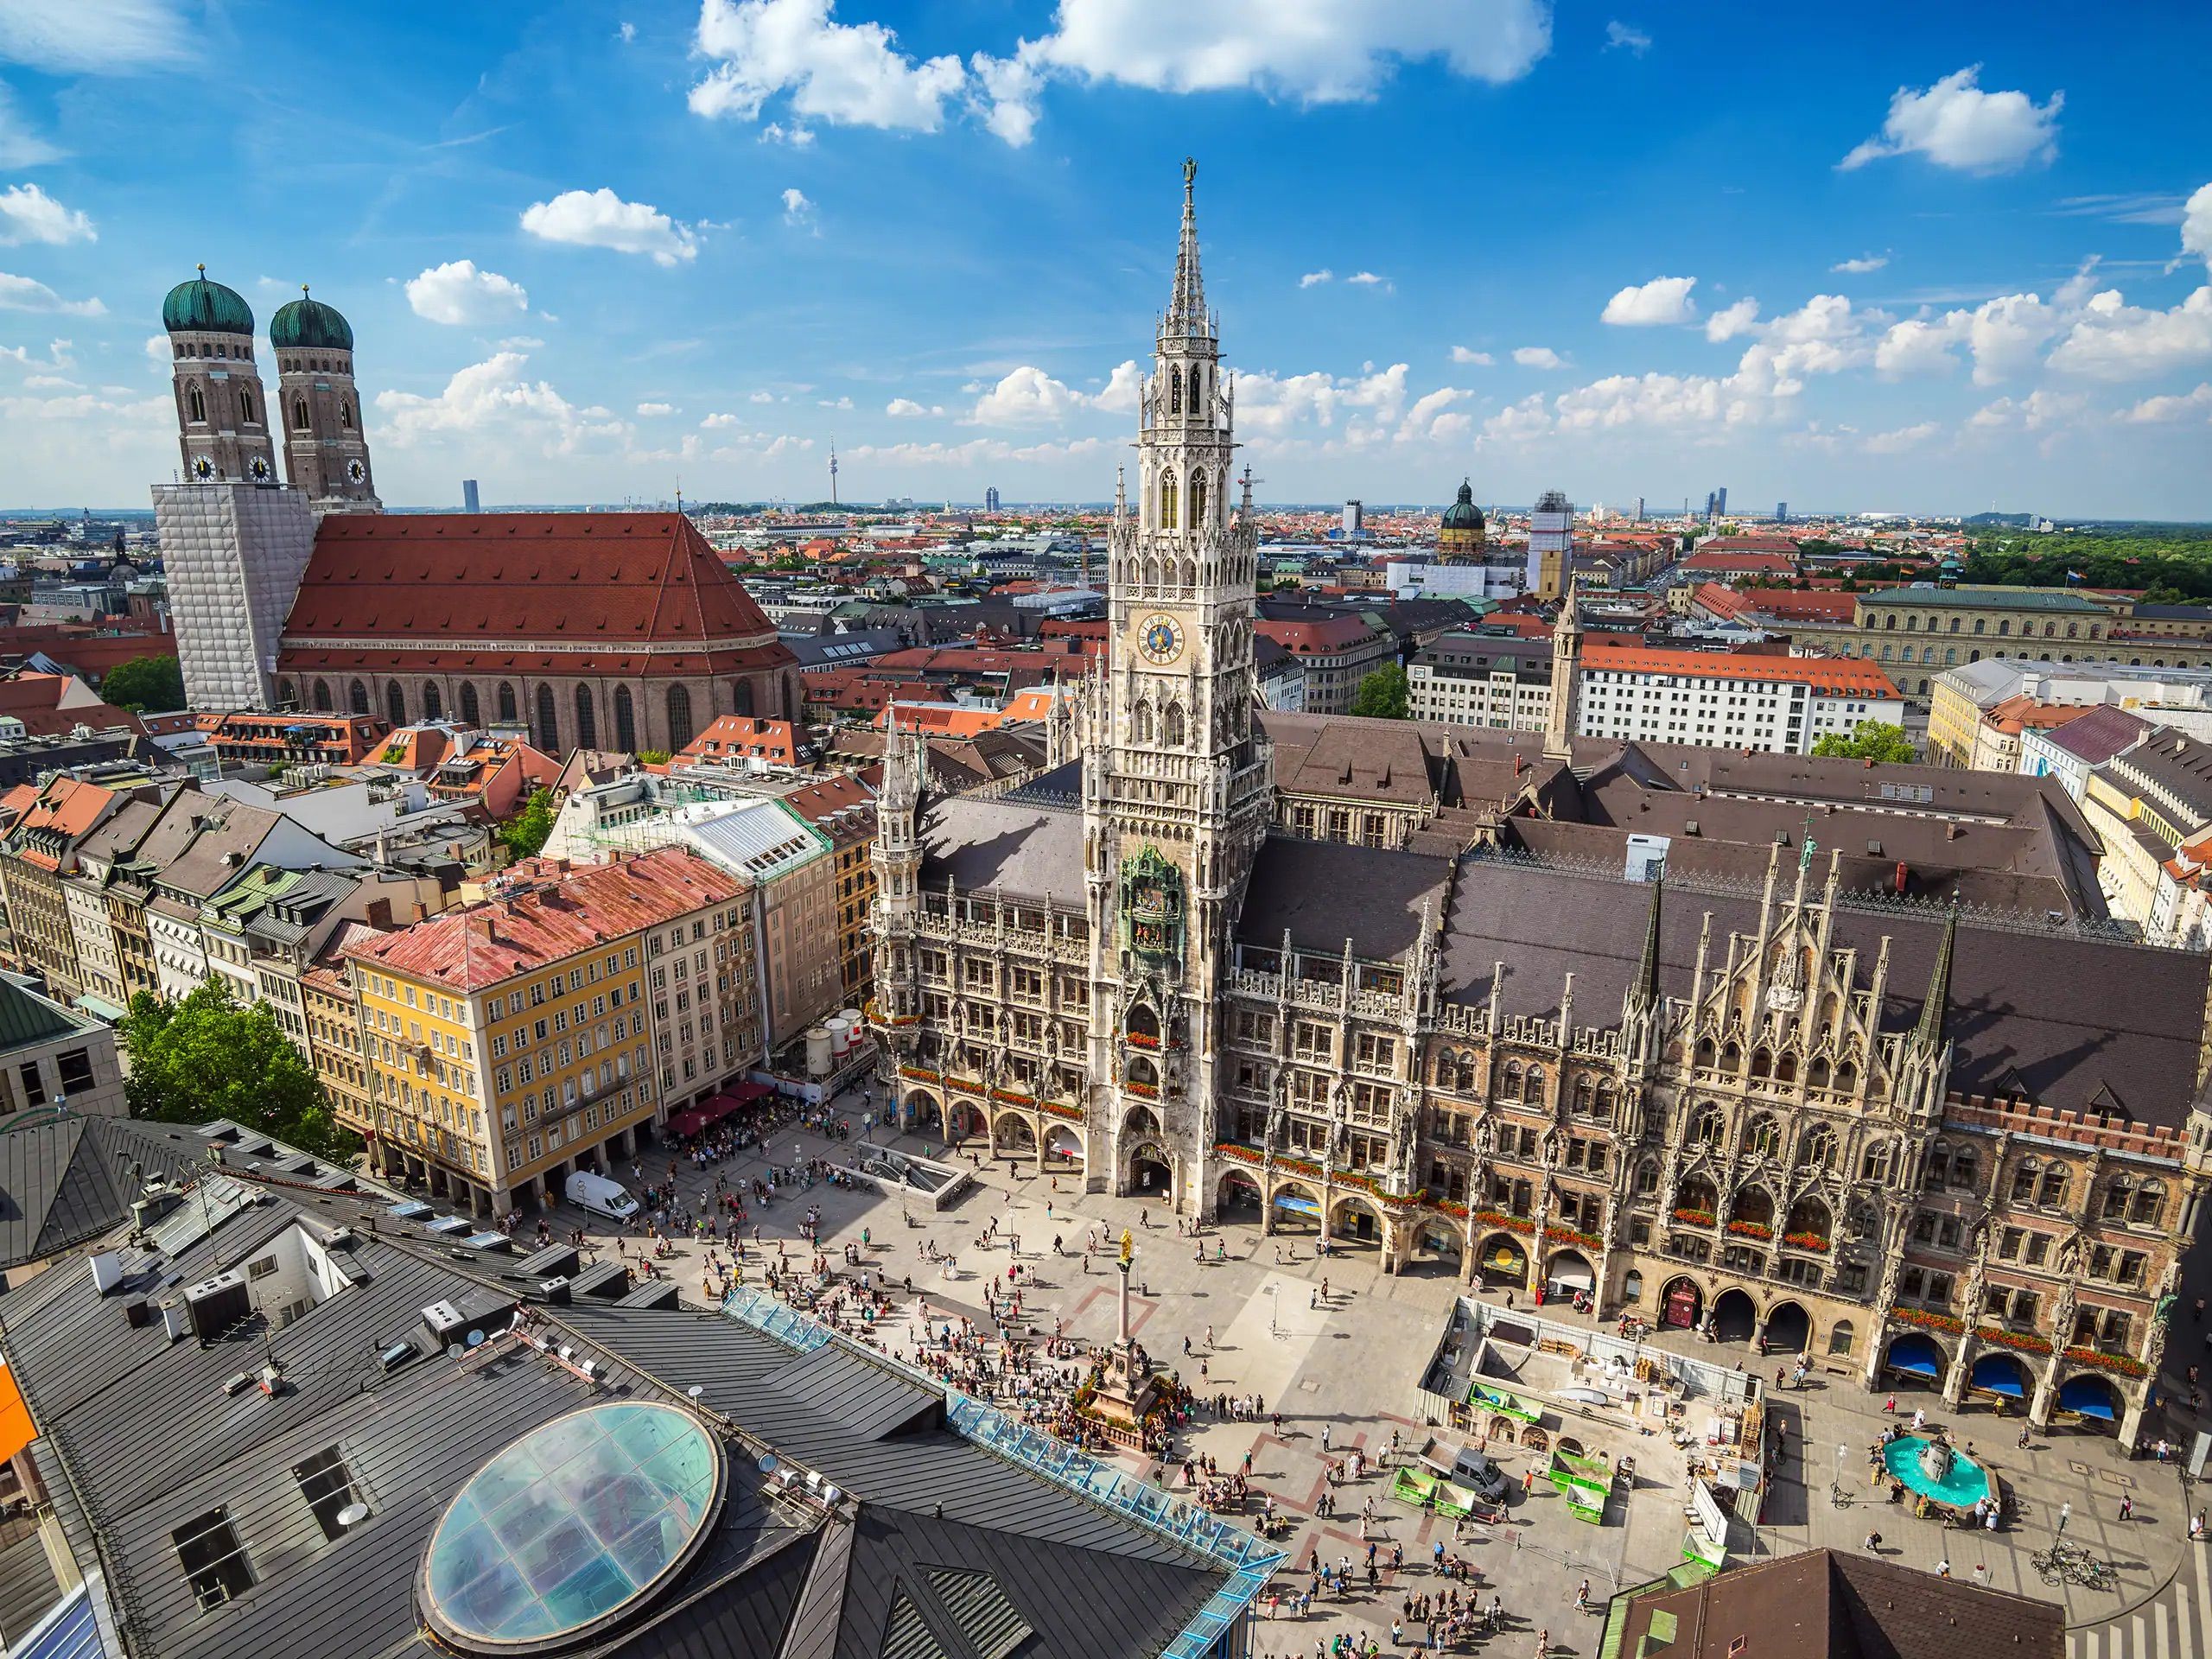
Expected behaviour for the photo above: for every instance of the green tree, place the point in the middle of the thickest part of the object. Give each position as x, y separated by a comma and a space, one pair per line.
206, 1057
1383, 694
145, 682
525, 834
1874, 740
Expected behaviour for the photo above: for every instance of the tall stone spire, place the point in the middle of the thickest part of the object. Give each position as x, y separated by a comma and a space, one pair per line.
1186, 306
1929, 1033
1646, 969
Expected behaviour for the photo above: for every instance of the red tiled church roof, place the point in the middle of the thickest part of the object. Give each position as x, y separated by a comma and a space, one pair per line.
477, 591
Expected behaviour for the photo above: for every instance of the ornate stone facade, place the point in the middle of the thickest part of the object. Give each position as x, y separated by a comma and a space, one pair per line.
1787, 1111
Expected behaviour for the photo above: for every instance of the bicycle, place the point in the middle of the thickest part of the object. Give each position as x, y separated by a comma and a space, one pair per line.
1840, 1494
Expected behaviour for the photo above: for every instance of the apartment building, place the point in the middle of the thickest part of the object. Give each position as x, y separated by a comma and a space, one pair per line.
508, 1042
1962, 699
1335, 650
1781, 704
2146, 804
52, 1056
39, 853
843, 810
1475, 679
333, 1021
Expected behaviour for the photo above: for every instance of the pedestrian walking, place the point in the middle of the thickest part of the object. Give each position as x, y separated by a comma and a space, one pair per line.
1943, 1568
1873, 1544
1543, 1644
1582, 1597
1981, 1573
1890, 1405
2127, 1506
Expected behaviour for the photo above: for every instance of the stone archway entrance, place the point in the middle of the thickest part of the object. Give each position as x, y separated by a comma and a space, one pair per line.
1012, 1137
923, 1116
1567, 1273
1437, 1248
1152, 1174
1236, 1197
1353, 1225
1063, 1149
1295, 1208
1501, 1262
1735, 1316
967, 1122
1788, 1329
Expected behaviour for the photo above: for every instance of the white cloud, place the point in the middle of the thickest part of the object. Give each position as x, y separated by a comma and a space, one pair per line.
1123, 390
1026, 396
626, 34
28, 214
848, 74
496, 396
2113, 340
797, 208
720, 422
2037, 411
1955, 123
797, 136
1527, 419
761, 397
1315, 278
833, 402
600, 218
22, 294
1427, 419
907, 409
1618, 34
1367, 279
1918, 346
2190, 406
160, 351
1315, 51
1007, 95
91, 36
1740, 318
2196, 225
1864, 263
1901, 442
653, 411
1538, 357
1269, 405
2005, 337
1662, 300
457, 293
1479, 360
2130, 207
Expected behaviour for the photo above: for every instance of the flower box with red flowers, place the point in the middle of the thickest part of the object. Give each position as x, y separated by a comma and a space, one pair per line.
1757, 1230
1243, 1154
1143, 1090
1806, 1242
1063, 1108
1499, 1218
918, 1073
2118, 1362
1143, 1039
1568, 1235
1694, 1218
1013, 1098
1928, 1321
2026, 1342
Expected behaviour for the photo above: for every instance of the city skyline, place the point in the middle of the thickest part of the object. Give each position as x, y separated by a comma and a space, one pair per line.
592, 254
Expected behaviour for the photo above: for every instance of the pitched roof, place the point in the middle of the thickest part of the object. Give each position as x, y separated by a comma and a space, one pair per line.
486, 944
1837, 676
2099, 734
478, 586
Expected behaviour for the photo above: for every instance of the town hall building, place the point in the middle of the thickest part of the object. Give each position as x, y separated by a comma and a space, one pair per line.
1856, 1072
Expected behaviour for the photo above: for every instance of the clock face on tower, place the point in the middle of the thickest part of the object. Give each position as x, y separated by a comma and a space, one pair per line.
355, 471
202, 468
259, 469
1160, 639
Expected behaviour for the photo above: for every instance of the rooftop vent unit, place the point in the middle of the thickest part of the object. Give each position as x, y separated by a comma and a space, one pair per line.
217, 1303
107, 1271
395, 1357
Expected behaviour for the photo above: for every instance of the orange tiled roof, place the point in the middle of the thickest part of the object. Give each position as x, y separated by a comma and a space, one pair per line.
1836, 675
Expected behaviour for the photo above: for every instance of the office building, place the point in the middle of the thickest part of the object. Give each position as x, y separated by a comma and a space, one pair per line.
469, 501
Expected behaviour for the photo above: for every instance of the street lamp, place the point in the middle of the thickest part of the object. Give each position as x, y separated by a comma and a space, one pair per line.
1272, 1304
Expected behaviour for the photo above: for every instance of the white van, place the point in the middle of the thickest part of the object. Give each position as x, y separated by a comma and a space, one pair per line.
602, 1196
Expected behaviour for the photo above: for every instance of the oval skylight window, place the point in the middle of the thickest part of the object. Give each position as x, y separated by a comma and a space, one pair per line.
571, 1526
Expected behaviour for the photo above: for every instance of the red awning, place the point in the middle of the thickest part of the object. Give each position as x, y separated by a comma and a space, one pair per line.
707, 1113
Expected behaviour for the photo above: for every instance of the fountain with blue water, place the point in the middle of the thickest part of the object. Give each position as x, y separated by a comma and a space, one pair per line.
1937, 1470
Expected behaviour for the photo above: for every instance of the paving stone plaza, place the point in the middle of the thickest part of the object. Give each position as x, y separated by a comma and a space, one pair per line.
1343, 1368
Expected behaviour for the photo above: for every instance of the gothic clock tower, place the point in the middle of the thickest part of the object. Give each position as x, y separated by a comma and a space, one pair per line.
1177, 785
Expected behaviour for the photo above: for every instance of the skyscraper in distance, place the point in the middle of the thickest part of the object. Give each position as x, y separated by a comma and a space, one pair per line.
469, 503
991, 499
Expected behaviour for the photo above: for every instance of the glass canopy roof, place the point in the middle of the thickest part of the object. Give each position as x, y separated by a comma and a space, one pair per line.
569, 1526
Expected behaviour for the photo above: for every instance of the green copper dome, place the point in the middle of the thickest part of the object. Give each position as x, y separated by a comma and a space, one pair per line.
205, 307
309, 324
1464, 514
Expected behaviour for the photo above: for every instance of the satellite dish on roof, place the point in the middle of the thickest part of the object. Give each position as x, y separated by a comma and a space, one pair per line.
766, 1465
352, 1515
473, 1337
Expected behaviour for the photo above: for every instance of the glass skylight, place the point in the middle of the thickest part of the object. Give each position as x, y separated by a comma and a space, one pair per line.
569, 1526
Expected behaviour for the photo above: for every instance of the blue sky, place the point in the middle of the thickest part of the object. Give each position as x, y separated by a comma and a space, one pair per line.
1920, 257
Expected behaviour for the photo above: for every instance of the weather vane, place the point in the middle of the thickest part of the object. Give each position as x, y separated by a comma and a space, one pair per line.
1190, 171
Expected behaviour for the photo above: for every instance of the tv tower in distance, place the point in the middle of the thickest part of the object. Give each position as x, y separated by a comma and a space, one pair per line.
833, 471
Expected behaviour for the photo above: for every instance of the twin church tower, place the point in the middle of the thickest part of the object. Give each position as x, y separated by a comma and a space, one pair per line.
229, 531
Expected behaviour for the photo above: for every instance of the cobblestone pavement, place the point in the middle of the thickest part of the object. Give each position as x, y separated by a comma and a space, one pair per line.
1345, 1365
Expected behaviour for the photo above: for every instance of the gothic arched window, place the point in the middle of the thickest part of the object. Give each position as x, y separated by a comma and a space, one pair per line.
1168, 504
357, 698
1706, 1128
472, 711
345, 414
587, 719
245, 408
434, 706
1197, 405
1170, 727
1765, 1139
300, 422
395, 703
626, 721
507, 713
322, 696
1174, 392
1197, 498
679, 717
1140, 723
549, 722
196, 404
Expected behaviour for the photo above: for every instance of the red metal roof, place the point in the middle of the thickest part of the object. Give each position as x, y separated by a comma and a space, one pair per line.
1838, 676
